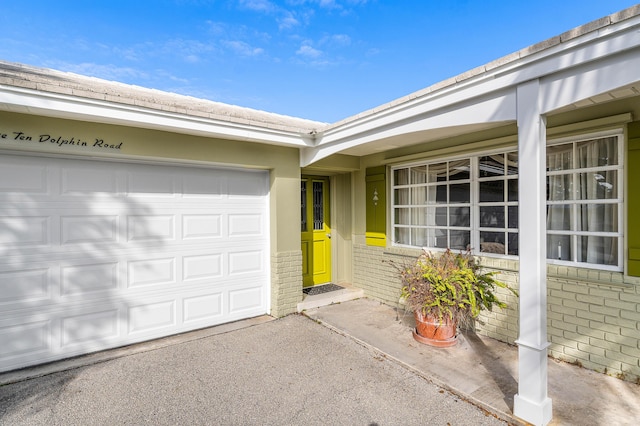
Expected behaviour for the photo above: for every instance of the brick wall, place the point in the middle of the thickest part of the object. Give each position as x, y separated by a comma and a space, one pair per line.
286, 282
594, 320
593, 317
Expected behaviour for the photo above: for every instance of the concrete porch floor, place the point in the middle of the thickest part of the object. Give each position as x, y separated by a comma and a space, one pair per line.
480, 369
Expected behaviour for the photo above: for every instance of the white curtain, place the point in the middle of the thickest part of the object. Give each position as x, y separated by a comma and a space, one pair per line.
589, 215
600, 217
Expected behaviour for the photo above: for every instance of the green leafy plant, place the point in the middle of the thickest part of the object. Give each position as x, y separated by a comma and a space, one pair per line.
449, 284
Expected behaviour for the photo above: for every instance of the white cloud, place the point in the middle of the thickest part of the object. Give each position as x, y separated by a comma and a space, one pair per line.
258, 5
308, 51
337, 40
287, 21
242, 48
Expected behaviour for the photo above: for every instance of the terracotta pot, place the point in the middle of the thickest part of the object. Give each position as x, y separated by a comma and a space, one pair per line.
430, 331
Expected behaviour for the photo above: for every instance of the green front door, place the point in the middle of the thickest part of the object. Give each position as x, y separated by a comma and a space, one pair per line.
316, 231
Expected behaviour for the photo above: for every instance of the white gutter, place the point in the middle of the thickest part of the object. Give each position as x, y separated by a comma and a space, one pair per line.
72, 107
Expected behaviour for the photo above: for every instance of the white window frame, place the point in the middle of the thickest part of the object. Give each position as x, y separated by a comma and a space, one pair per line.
475, 180
619, 200
474, 205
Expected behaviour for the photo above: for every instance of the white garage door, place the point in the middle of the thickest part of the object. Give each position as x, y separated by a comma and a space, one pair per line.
97, 254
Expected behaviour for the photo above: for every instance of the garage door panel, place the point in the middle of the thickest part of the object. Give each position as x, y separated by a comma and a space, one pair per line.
151, 227
151, 183
152, 316
200, 226
245, 299
85, 180
199, 184
89, 229
246, 225
34, 286
24, 339
202, 308
95, 254
24, 231
21, 176
89, 328
244, 185
244, 262
151, 272
86, 280
202, 266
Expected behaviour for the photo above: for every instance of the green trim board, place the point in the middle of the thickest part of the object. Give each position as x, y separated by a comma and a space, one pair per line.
633, 200
376, 203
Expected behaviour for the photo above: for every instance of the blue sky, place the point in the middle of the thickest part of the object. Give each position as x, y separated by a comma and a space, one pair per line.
323, 60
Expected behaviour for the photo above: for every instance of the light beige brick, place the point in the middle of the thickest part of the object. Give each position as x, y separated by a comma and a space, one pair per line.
620, 339
619, 356
615, 303
630, 297
605, 310
576, 354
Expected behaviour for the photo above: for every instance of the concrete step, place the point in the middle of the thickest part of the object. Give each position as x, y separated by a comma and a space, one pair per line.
329, 298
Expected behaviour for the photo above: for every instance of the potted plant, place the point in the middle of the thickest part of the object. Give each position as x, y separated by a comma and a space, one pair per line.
445, 290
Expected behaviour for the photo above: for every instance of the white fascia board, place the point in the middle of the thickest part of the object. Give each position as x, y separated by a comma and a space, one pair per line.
69, 107
612, 49
498, 109
455, 101
592, 79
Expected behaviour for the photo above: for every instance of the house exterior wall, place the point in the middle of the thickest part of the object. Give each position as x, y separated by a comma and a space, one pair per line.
165, 147
593, 316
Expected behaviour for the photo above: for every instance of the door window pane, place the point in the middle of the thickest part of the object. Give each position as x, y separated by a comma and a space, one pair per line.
318, 206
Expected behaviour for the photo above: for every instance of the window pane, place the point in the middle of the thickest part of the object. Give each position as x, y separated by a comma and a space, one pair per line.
419, 237
437, 172
419, 196
492, 191
460, 240
460, 193
559, 247
419, 174
513, 217
460, 216
401, 197
402, 236
419, 216
441, 194
598, 218
402, 216
492, 216
429, 216
459, 169
401, 177
559, 217
491, 165
438, 238
560, 157
492, 242
318, 206
513, 189
598, 185
598, 152
512, 163
513, 244
559, 187
441, 216
598, 250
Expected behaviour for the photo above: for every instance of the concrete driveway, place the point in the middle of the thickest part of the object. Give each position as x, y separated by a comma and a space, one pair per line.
290, 371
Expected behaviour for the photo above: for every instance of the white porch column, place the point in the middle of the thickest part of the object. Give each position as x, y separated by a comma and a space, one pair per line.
531, 403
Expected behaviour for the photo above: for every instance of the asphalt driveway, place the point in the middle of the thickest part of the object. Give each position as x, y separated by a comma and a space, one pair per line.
291, 371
